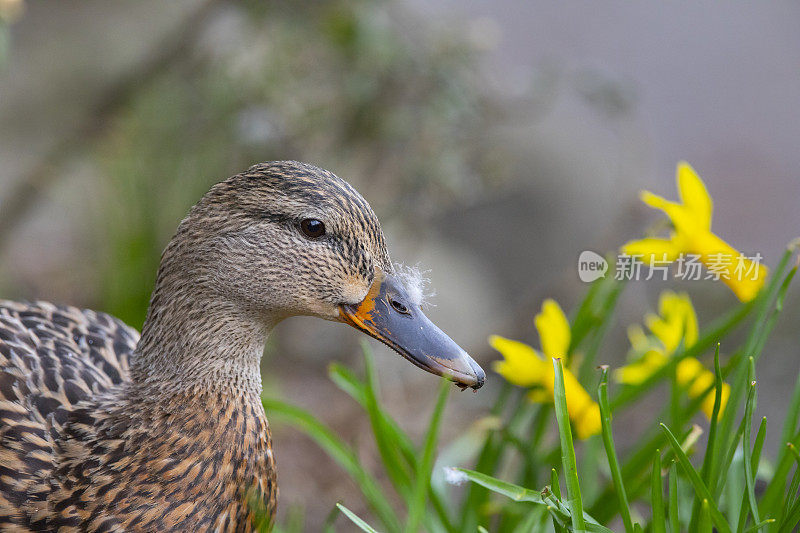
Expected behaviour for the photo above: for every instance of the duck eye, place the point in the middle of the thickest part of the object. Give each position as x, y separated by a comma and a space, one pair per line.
312, 228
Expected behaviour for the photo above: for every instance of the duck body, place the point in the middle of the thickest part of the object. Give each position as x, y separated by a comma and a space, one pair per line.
104, 429
81, 449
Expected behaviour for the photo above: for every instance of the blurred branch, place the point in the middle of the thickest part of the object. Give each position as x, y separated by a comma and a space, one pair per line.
174, 47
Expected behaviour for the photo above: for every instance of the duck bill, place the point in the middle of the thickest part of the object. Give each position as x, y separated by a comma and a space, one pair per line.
388, 315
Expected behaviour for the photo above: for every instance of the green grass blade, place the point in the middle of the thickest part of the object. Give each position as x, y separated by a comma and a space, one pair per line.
585, 318
425, 466
759, 330
760, 525
659, 520
729, 455
533, 460
488, 459
339, 452
606, 322
674, 514
704, 526
509, 490
792, 519
749, 477
754, 462
533, 521
789, 497
555, 487
567, 448
706, 471
391, 456
327, 526
783, 463
696, 481
363, 526
792, 414
611, 454
347, 381
708, 461
595, 310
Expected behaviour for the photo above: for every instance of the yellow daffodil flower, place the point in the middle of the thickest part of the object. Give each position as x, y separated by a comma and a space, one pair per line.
675, 325
691, 235
524, 366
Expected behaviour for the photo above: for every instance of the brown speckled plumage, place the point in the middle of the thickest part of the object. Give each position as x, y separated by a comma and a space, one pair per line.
102, 431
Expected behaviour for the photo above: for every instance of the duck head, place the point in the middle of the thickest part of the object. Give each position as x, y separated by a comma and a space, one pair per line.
285, 239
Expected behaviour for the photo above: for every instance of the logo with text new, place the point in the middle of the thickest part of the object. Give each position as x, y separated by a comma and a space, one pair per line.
591, 266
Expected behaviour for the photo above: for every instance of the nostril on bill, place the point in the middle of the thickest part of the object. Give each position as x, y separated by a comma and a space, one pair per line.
398, 306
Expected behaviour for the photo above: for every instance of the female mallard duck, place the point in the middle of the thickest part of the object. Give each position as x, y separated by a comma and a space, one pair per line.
101, 430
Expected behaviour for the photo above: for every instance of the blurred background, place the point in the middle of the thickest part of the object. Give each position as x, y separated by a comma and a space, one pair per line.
495, 140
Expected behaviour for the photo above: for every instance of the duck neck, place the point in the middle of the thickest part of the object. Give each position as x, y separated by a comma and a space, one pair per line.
195, 342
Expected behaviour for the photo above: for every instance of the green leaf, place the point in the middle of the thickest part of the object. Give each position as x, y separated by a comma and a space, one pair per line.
339, 452
708, 461
555, 487
425, 466
355, 519
611, 454
792, 518
697, 483
659, 521
749, 477
674, 515
533, 520
327, 526
606, 321
705, 518
731, 453
521, 494
752, 348
488, 459
754, 460
399, 471
790, 496
760, 525
347, 381
515, 492
567, 448
783, 464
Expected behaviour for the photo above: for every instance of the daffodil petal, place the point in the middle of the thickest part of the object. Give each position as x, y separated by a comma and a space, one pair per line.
653, 250
638, 372
553, 328
658, 202
742, 275
668, 332
694, 195
589, 423
540, 396
639, 341
521, 366
676, 322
